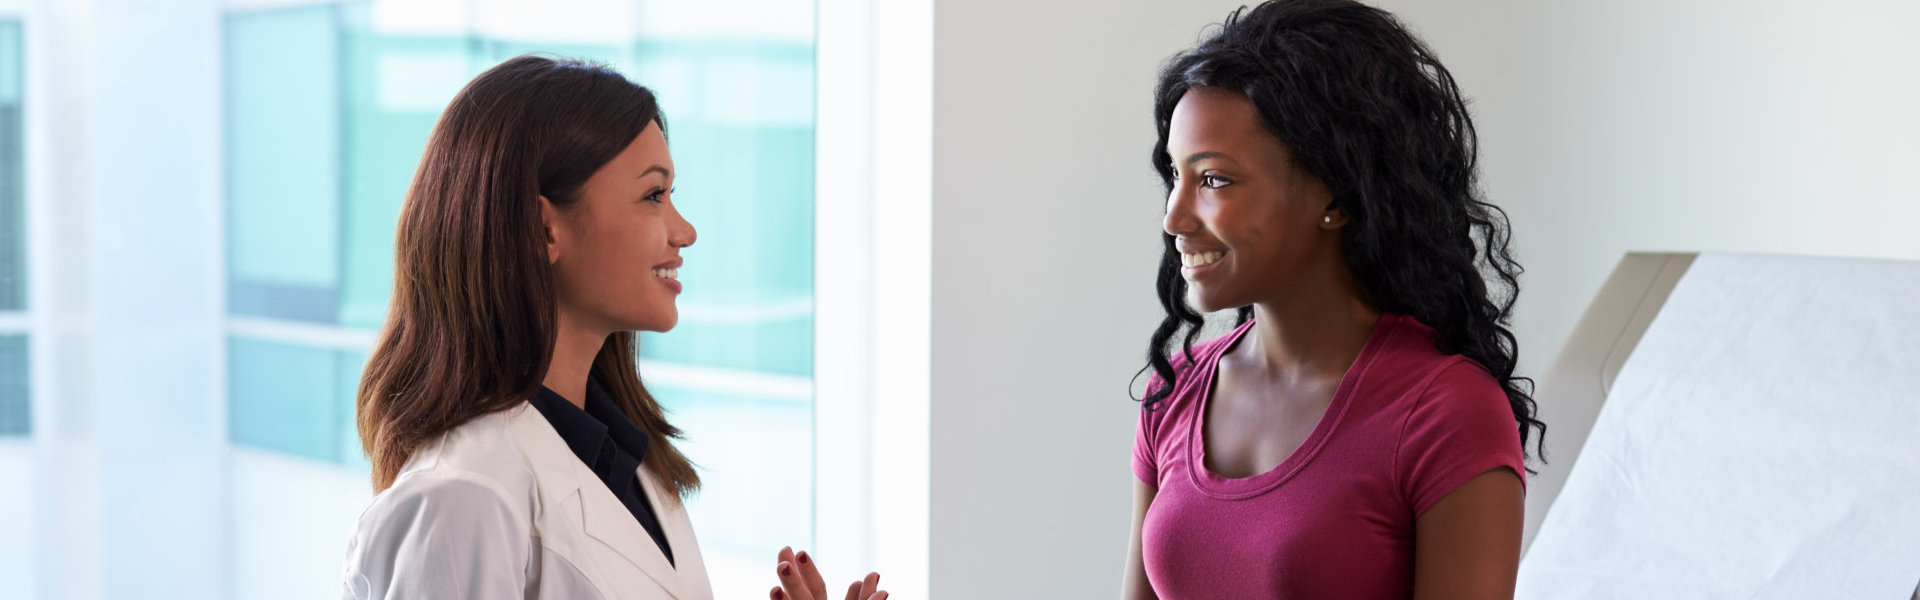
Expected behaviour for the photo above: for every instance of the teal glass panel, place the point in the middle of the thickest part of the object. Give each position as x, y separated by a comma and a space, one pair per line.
283, 157
347, 368
291, 399
396, 86
13, 243
740, 124
16, 414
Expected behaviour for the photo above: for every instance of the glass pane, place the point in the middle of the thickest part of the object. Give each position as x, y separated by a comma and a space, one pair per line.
13, 260
740, 120
755, 457
283, 153
15, 404
16, 416
292, 399
396, 86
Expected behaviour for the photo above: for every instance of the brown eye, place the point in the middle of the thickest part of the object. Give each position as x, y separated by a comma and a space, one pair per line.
1214, 181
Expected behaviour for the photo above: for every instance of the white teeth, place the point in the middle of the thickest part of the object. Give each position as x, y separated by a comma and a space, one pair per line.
1201, 259
673, 274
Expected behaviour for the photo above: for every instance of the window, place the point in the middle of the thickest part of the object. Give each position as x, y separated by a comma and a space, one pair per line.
15, 403
328, 109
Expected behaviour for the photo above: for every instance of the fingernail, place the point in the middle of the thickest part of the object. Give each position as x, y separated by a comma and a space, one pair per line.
786, 570
803, 558
779, 594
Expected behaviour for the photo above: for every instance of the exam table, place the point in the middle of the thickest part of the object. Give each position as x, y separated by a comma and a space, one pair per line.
1708, 440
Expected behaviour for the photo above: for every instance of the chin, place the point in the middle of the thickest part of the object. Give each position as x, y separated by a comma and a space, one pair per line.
1202, 302
1210, 303
660, 326
655, 323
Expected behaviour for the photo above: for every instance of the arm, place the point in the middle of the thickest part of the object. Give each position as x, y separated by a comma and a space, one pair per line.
1467, 546
1135, 586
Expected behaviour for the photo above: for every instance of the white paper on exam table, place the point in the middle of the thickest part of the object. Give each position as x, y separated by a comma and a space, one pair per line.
1762, 441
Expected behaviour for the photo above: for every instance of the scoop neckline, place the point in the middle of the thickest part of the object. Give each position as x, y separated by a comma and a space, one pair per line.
1236, 488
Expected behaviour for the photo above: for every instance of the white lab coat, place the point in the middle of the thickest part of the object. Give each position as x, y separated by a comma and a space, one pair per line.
500, 508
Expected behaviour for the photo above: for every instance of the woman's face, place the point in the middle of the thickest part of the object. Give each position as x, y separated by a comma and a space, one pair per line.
1247, 222
616, 252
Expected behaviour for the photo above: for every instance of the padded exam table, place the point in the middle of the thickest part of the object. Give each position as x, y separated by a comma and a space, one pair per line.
1733, 426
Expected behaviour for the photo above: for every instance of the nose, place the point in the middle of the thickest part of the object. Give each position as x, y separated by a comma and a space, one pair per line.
1180, 219
680, 232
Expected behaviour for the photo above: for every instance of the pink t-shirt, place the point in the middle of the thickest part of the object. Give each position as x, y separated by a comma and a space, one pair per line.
1335, 519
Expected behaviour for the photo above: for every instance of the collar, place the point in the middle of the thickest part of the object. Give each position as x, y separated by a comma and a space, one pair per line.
588, 431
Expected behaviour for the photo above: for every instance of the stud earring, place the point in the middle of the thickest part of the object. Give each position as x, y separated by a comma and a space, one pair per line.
1327, 219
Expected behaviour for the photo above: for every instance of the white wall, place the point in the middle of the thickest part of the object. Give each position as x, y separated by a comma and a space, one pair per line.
1045, 239
1777, 127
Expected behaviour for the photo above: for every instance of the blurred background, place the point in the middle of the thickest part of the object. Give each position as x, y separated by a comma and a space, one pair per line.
924, 279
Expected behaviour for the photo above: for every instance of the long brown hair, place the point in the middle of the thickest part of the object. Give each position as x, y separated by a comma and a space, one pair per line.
472, 324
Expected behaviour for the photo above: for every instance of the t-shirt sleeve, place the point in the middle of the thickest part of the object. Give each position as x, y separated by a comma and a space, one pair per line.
1460, 427
1146, 464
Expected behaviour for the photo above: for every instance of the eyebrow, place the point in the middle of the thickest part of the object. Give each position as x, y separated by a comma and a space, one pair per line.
1200, 156
656, 169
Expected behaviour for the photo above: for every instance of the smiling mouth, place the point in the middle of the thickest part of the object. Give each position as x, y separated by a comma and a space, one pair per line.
673, 273
1200, 259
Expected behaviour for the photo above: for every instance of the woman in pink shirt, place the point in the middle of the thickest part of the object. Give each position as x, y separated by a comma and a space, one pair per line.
1361, 433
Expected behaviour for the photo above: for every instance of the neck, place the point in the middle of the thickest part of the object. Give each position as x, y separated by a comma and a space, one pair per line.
574, 348
1318, 332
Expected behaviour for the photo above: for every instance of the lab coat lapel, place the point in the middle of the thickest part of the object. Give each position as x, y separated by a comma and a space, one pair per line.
607, 520
603, 518
674, 522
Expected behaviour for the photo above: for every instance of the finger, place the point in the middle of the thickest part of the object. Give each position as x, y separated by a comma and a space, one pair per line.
870, 585
880, 595
786, 555
811, 574
777, 594
791, 581
853, 591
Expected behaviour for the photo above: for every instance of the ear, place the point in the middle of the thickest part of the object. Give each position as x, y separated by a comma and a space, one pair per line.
1332, 217
549, 214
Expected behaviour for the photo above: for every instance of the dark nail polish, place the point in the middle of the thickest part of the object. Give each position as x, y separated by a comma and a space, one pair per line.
779, 594
804, 560
786, 570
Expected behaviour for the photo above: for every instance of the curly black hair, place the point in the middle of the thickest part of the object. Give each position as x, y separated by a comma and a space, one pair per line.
1366, 107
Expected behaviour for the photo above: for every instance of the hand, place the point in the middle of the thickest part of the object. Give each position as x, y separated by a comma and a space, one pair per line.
800, 580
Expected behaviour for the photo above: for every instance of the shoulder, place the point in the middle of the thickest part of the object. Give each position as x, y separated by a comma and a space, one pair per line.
1460, 376
1442, 394
1409, 359
1446, 375
1190, 380
436, 520
458, 522
482, 460
442, 496
1188, 363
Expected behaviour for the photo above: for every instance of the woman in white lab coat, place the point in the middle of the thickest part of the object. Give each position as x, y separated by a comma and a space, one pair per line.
515, 452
